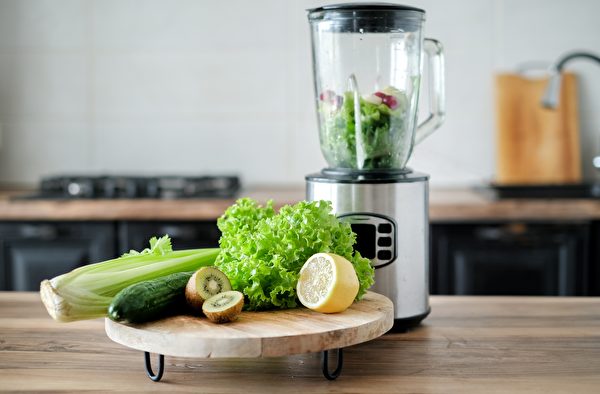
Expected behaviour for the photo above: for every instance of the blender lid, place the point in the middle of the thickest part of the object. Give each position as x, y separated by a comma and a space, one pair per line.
365, 7
368, 17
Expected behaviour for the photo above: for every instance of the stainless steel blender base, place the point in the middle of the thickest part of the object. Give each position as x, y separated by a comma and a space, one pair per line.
390, 215
404, 325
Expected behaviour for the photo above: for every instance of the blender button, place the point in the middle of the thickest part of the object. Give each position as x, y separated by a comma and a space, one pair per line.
385, 228
384, 255
384, 241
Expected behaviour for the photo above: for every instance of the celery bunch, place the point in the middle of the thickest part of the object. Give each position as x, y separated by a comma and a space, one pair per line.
86, 292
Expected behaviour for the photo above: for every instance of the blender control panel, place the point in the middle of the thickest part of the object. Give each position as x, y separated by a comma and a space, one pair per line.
375, 236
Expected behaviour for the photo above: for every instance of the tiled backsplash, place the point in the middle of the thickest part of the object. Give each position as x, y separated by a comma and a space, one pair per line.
194, 86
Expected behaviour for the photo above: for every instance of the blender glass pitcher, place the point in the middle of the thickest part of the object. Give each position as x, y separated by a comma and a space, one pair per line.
367, 64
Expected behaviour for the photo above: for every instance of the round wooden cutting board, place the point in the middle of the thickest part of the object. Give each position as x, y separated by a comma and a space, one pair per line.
259, 334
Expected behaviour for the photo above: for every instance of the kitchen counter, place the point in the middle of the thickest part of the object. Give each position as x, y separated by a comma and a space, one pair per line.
466, 345
446, 205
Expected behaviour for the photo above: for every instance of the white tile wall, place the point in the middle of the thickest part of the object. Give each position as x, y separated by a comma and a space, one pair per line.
43, 25
35, 148
43, 86
189, 25
190, 86
167, 147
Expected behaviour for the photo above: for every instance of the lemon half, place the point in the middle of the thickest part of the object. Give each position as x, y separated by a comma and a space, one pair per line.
327, 283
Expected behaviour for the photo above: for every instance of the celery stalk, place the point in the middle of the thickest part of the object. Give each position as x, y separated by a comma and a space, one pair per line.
86, 292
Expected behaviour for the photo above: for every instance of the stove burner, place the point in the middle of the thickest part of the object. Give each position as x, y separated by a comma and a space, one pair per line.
131, 187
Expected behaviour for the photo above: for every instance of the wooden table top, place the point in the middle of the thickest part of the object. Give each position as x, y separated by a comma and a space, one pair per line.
466, 345
446, 205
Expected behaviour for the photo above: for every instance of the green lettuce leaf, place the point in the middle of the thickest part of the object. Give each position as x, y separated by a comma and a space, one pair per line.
383, 133
262, 251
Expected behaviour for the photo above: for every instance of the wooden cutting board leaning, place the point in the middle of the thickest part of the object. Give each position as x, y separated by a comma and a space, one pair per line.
536, 145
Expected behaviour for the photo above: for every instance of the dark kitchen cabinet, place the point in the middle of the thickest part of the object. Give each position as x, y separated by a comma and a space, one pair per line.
594, 266
33, 251
500, 258
512, 258
184, 235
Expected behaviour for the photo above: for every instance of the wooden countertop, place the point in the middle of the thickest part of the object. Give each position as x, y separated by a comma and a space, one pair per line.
446, 205
466, 345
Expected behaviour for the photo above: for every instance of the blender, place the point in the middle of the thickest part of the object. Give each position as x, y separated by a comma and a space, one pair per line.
367, 65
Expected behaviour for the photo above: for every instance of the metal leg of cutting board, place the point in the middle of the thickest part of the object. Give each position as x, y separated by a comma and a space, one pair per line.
148, 365
340, 362
329, 375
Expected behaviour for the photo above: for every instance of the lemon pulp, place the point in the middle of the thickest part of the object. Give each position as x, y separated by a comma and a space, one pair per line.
327, 283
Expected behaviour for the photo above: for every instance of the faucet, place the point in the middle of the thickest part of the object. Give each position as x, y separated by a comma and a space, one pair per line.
551, 95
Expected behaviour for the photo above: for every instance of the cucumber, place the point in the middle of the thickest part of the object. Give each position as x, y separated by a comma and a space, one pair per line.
150, 300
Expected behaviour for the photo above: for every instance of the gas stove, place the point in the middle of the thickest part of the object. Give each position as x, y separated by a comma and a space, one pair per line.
135, 187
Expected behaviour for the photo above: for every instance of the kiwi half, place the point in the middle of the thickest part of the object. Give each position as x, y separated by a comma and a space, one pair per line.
224, 307
205, 283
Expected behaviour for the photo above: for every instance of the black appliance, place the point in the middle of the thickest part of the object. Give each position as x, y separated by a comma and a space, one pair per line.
117, 186
32, 251
574, 190
511, 258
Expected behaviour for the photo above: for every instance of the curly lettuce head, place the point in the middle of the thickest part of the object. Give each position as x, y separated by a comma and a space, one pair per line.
262, 251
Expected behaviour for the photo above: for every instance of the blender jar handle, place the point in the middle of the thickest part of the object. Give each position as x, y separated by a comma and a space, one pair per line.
437, 101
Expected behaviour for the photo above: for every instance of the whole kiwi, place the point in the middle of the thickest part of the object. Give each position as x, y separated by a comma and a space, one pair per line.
224, 307
203, 284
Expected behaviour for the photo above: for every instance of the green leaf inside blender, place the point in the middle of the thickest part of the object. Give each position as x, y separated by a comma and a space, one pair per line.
383, 127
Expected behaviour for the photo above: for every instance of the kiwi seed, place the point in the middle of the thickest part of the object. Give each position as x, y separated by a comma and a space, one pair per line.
223, 307
205, 283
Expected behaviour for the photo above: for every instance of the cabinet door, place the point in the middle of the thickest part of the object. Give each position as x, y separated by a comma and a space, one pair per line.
509, 259
594, 261
31, 252
184, 235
